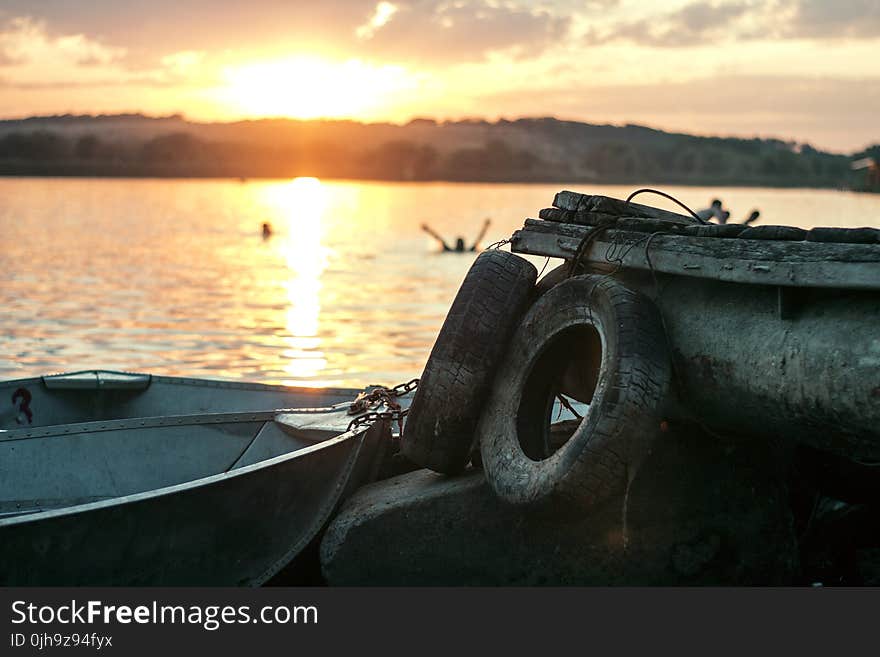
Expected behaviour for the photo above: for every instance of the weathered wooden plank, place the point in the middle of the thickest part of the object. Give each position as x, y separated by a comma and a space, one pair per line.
584, 218
734, 260
573, 217
804, 251
863, 235
775, 233
576, 202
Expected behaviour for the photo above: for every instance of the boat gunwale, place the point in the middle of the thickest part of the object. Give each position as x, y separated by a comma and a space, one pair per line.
191, 381
148, 422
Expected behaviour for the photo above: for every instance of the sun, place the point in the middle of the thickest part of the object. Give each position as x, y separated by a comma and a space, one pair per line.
306, 87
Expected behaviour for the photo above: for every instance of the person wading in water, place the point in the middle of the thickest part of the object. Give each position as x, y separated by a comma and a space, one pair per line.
716, 211
459, 241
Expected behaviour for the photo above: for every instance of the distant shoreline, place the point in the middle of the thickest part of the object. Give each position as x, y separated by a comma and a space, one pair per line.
541, 150
100, 174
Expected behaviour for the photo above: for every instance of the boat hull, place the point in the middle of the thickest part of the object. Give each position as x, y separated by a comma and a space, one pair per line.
238, 527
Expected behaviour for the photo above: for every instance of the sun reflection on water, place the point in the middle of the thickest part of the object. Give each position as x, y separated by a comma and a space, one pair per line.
173, 277
301, 205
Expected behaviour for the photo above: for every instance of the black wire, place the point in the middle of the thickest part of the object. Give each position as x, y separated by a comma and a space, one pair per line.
648, 190
587, 239
546, 262
497, 245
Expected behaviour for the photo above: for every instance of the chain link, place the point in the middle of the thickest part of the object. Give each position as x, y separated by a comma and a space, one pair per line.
402, 388
391, 416
367, 400
380, 395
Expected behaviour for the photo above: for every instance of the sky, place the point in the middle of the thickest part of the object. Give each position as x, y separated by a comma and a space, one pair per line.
804, 70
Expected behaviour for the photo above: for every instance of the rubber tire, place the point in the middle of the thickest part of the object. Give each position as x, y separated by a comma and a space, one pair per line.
550, 280
442, 420
546, 283
606, 449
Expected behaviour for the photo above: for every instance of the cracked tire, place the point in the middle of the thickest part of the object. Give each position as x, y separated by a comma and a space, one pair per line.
440, 427
609, 330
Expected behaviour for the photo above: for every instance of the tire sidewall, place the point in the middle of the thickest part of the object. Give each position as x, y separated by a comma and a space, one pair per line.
514, 476
458, 376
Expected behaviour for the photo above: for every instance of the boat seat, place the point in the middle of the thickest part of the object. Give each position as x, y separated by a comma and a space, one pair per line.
315, 425
97, 380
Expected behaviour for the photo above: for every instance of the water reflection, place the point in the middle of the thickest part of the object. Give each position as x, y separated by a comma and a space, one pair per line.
173, 276
301, 205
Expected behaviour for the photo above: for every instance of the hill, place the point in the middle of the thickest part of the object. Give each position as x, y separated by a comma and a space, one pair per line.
529, 149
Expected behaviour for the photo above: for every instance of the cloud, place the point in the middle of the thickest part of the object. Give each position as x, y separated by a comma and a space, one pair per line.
384, 12
693, 24
424, 31
35, 59
446, 32
24, 41
183, 62
821, 19
6, 59
702, 22
150, 30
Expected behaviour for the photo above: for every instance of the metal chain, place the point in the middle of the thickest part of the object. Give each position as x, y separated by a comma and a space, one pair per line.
379, 395
366, 400
391, 416
402, 388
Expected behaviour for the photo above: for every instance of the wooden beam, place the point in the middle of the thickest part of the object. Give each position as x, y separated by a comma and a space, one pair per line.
764, 262
575, 202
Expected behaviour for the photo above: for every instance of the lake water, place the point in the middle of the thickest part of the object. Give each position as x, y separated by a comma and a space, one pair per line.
174, 277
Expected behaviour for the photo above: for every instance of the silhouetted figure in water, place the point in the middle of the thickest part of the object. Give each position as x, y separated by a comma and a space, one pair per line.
714, 211
459, 241
267, 230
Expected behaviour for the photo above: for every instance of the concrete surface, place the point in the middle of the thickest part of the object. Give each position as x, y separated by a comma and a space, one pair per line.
700, 512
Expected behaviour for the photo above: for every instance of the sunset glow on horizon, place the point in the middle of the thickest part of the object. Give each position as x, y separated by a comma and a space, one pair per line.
796, 69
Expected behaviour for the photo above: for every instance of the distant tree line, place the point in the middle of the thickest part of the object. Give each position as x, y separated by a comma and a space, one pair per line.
553, 151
